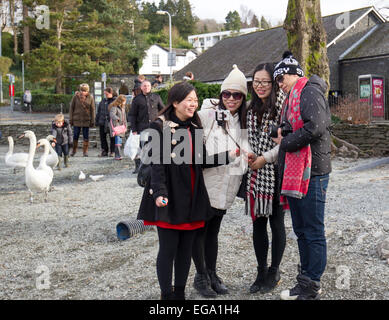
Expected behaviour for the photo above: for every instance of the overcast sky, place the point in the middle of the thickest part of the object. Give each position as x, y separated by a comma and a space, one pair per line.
273, 10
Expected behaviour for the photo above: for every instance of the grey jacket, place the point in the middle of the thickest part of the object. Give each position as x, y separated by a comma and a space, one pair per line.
118, 117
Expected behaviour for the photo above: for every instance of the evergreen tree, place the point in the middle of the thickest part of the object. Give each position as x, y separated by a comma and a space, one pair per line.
265, 24
233, 21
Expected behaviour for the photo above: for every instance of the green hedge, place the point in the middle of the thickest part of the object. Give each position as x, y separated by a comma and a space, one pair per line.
48, 102
204, 91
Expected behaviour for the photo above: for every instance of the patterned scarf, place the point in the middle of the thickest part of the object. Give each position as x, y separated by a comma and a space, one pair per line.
297, 170
261, 183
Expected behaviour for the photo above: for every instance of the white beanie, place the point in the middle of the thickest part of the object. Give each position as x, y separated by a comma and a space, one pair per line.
236, 80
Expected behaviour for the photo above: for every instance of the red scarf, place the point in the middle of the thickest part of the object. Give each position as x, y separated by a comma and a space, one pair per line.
297, 170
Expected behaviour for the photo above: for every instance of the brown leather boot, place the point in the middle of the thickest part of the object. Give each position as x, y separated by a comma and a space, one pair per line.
85, 145
75, 145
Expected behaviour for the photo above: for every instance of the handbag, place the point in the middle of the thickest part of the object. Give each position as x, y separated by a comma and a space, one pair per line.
144, 175
243, 188
118, 130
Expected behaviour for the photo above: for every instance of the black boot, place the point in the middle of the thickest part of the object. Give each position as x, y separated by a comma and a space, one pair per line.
137, 165
202, 285
216, 283
260, 281
169, 295
179, 293
305, 289
309, 288
272, 280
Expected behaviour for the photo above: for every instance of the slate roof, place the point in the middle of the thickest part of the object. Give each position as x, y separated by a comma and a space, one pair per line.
248, 50
375, 45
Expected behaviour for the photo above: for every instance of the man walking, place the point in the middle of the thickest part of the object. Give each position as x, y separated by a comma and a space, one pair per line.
144, 110
305, 163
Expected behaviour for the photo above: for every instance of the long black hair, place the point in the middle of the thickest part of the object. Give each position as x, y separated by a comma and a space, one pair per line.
178, 93
257, 105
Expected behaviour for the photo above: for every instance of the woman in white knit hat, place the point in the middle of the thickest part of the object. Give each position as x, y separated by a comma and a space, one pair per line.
222, 120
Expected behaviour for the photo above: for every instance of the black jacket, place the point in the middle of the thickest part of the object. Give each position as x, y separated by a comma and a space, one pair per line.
173, 181
138, 116
316, 115
102, 114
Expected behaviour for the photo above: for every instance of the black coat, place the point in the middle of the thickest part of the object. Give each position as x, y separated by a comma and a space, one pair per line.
173, 181
102, 114
138, 116
315, 113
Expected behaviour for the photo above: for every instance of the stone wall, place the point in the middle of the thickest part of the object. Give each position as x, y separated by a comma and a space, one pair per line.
373, 138
41, 130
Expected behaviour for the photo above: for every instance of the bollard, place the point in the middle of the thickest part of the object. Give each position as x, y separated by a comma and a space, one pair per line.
127, 229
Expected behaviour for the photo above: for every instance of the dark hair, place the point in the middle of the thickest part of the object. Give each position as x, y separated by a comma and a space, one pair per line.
242, 111
178, 93
257, 104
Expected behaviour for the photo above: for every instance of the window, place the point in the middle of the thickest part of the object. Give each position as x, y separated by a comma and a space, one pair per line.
155, 60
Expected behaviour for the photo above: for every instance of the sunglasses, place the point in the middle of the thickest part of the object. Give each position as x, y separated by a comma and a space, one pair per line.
235, 95
280, 79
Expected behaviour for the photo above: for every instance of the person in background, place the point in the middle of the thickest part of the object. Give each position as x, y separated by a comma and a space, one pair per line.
27, 99
262, 195
188, 76
157, 81
304, 161
144, 110
82, 117
102, 120
138, 81
117, 114
123, 88
175, 198
63, 138
222, 182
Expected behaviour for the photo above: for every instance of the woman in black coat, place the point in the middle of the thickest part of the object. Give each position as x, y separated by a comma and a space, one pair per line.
102, 120
175, 199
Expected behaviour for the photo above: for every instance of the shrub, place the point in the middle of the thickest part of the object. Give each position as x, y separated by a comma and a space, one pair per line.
204, 91
350, 109
48, 102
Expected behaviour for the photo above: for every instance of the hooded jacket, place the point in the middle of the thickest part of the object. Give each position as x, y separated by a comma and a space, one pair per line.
315, 113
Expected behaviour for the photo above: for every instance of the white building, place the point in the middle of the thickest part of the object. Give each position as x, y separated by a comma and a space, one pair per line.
202, 42
156, 60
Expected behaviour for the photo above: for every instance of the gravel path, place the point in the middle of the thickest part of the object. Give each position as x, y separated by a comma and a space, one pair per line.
67, 248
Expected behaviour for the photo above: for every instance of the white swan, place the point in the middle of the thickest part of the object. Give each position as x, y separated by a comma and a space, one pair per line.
36, 180
15, 160
43, 161
52, 158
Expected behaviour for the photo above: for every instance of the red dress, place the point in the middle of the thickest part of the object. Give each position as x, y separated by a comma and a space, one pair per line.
182, 226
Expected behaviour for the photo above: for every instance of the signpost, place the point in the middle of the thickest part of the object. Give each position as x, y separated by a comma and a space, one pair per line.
98, 92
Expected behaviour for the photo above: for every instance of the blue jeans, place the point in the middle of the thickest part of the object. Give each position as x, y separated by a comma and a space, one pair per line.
62, 149
77, 131
308, 225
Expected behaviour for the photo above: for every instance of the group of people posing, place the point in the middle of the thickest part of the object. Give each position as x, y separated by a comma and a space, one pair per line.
286, 171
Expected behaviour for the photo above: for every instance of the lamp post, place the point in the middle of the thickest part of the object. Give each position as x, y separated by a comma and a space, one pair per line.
22, 73
1, 75
170, 39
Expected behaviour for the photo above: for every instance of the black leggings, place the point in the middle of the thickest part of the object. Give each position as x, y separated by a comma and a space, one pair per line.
205, 246
261, 240
175, 246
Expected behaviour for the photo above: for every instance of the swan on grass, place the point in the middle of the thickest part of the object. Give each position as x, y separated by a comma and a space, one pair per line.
15, 160
52, 158
37, 180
